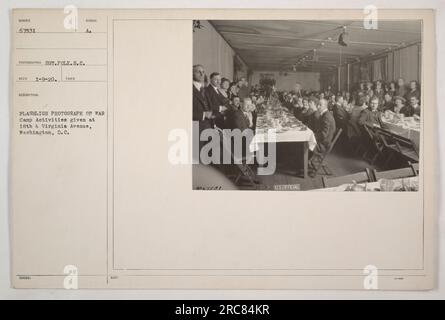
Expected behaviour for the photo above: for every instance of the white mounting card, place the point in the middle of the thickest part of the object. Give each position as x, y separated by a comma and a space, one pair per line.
100, 100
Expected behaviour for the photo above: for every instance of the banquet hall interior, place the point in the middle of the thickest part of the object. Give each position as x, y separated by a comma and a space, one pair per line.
345, 101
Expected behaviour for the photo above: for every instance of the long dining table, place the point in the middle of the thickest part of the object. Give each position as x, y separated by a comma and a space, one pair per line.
402, 184
287, 129
407, 127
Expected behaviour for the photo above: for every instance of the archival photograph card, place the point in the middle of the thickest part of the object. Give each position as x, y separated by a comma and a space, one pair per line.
223, 149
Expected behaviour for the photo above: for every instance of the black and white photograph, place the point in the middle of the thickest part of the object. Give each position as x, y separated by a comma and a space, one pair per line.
307, 105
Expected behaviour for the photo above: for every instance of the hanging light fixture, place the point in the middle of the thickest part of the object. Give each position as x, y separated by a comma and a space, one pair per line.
315, 56
342, 38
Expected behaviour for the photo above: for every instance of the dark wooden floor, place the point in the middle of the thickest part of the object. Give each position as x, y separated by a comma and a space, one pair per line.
288, 174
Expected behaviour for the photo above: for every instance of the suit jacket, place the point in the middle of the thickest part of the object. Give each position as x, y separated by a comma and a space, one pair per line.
199, 106
236, 120
299, 113
215, 100
254, 119
326, 130
379, 94
243, 92
388, 105
367, 117
353, 125
305, 116
415, 93
225, 99
313, 120
341, 116
409, 111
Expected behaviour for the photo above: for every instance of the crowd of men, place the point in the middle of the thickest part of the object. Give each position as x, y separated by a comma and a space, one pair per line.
353, 110
233, 105
222, 103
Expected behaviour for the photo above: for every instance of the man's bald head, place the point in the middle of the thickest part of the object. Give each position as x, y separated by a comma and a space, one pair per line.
198, 73
322, 105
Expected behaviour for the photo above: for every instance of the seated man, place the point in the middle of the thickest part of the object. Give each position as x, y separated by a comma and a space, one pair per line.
399, 104
326, 130
235, 118
412, 109
371, 116
243, 88
248, 109
331, 102
301, 112
241, 117
388, 104
341, 116
312, 117
300, 108
353, 125
368, 90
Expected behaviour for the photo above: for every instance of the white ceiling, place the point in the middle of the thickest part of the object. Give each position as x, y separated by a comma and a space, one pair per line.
278, 45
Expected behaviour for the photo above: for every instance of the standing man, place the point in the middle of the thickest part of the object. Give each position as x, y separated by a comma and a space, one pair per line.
201, 109
326, 130
298, 93
215, 99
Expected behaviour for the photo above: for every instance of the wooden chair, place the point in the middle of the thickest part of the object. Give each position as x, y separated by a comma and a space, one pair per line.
386, 140
355, 140
405, 147
243, 168
359, 177
377, 145
317, 160
395, 174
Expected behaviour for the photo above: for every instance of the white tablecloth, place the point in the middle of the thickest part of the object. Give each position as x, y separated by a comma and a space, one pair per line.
372, 186
284, 135
402, 128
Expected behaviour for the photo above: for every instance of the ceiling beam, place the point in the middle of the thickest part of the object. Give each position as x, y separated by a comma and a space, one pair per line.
319, 49
304, 39
281, 61
300, 69
349, 26
281, 65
